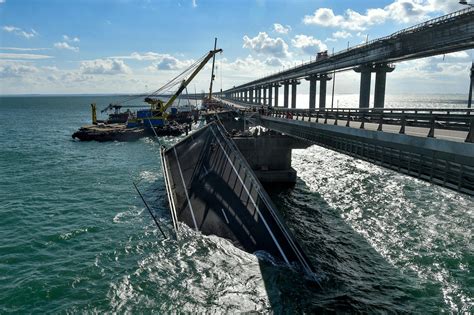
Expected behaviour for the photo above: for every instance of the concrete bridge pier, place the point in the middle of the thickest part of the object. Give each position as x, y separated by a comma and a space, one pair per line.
380, 83
469, 102
312, 91
259, 98
365, 80
286, 86
264, 99
294, 85
270, 90
251, 95
323, 80
277, 85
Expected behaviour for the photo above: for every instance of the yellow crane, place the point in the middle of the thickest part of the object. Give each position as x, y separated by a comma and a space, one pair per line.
158, 107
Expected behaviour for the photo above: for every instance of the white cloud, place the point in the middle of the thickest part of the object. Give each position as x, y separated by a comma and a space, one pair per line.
64, 45
168, 62
281, 29
308, 44
264, 44
402, 11
18, 31
352, 19
71, 39
148, 56
104, 66
16, 70
274, 62
161, 61
22, 49
2, 1
194, 3
341, 34
456, 55
23, 56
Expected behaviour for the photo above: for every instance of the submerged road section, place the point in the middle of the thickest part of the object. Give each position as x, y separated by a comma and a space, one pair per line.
212, 189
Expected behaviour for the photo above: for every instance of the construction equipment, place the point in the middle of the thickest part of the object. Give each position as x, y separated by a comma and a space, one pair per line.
157, 115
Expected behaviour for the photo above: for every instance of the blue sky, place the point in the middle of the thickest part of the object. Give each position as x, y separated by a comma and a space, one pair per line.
122, 46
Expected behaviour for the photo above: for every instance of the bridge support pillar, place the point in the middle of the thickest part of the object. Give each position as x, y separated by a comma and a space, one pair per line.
380, 83
286, 86
312, 91
270, 92
365, 78
251, 95
276, 94
259, 95
294, 85
469, 102
264, 100
323, 80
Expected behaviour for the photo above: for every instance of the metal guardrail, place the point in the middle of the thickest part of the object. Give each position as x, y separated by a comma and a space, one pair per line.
430, 118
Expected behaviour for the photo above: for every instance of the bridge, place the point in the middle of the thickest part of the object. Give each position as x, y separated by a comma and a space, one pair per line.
450, 33
436, 145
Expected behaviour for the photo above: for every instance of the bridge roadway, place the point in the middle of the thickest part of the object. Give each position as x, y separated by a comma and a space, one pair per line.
446, 159
446, 34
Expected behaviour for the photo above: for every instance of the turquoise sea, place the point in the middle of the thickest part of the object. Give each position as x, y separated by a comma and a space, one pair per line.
75, 237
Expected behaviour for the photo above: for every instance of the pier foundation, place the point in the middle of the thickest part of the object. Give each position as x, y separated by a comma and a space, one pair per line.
269, 156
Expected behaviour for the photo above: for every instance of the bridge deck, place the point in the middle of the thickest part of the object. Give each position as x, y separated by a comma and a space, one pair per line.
445, 160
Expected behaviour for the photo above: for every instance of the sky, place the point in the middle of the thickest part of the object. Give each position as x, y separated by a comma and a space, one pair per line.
135, 46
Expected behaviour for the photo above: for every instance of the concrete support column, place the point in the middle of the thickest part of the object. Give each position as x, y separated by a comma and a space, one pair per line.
294, 85
276, 94
251, 95
380, 83
286, 86
259, 100
264, 100
322, 90
312, 91
270, 92
469, 101
365, 78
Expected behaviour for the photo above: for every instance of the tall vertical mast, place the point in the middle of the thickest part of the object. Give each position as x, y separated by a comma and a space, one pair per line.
212, 74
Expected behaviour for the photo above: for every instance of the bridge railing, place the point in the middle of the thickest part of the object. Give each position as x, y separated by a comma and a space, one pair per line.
457, 119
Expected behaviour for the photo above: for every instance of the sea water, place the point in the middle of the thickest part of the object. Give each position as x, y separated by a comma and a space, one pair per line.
75, 236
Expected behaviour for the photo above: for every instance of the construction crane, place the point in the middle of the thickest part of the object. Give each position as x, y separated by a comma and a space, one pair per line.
158, 107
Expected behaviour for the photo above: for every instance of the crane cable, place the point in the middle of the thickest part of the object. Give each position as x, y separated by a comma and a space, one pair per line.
177, 80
